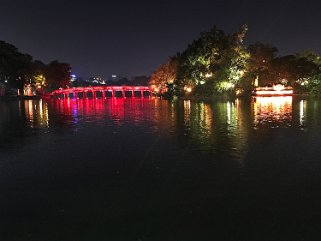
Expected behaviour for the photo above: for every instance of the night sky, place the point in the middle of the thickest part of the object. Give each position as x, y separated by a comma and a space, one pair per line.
129, 38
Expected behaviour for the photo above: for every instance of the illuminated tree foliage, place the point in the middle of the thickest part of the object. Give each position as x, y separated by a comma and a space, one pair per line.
164, 75
38, 79
214, 63
302, 71
217, 63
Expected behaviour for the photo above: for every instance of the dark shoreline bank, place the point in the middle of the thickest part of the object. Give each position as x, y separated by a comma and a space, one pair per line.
191, 98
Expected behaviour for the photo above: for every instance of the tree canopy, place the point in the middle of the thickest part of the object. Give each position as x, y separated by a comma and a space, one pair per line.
218, 63
18, 69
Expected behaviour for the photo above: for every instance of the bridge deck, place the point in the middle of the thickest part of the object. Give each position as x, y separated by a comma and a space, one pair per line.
103, 91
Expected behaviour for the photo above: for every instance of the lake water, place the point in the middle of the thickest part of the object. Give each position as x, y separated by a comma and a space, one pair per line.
150, 169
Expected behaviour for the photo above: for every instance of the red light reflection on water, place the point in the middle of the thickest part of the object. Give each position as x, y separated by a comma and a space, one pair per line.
116, 109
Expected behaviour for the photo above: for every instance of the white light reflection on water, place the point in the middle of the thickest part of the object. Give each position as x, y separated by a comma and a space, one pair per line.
228, 113
303, 108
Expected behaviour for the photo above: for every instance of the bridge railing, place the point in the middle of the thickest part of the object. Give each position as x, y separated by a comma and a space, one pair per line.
103, 92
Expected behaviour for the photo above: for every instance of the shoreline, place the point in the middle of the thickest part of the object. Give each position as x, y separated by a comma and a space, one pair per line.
244, 97
191, 98
36, 97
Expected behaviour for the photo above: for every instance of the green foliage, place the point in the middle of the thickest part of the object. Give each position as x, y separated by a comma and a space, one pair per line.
217, 63
296, 71
213, 60
314, 84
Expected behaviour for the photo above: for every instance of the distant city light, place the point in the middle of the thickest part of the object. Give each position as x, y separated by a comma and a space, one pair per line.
73, 78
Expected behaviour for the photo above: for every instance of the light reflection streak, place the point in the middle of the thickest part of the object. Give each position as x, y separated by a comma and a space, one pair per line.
228, 104
232, 119
302, 112
36, 113
237, 131
187, 112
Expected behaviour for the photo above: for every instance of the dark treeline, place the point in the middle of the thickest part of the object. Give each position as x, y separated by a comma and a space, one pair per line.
18, 70
120, 81
220, 64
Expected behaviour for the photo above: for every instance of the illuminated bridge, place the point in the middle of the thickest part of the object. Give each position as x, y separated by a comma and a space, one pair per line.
103, 92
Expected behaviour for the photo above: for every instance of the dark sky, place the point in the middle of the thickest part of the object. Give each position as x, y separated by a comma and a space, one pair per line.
128, 38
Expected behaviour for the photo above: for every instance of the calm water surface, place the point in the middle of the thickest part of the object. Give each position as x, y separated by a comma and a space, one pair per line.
150, 169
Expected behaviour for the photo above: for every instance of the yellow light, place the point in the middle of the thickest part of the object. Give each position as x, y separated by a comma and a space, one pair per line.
188, 89
278, 87
276, 90
238, 92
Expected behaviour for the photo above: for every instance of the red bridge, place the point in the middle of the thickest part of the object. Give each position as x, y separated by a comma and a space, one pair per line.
103, 92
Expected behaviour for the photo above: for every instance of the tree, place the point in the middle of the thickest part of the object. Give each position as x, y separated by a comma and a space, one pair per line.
140, 80
291, 70
39, 71
261, 57
8, 55
311, 57
18, 69
309, 78
15, 67
216, 62
57, 75
233, 64
198, 62
164, 75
